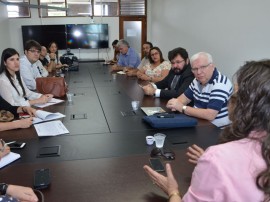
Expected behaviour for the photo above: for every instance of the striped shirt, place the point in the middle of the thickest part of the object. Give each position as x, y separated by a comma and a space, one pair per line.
214, 95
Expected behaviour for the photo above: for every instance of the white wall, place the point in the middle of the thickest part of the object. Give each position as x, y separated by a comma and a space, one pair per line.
16, 33
232, 31
4, 33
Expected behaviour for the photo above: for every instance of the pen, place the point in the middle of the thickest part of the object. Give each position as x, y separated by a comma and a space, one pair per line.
7, 143
184, 142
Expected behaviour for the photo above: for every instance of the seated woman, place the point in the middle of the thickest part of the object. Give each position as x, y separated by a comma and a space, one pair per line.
238, 168
15, 110
53, 56
14, 193
158, 68
12, 86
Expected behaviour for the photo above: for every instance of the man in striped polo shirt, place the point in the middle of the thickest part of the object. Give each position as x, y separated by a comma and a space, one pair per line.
210, 91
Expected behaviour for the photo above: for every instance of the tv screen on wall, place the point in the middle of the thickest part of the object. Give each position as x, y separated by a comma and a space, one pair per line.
45, 34
88, 36
73, 36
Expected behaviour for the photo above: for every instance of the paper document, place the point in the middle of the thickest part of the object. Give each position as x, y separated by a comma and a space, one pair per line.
9, 159
46, 116
53, 101
152, 110
120, 72
51, 128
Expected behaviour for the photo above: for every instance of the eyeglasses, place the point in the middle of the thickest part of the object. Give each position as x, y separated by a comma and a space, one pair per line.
3, 145
202, 68
157, 152
34, 51
156, 53
177, 62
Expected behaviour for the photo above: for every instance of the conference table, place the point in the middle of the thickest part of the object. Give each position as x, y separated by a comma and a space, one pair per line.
102, 157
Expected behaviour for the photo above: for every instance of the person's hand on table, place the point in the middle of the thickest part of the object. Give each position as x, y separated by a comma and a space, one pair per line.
29, 110
24, 123
149, 89
194, 153
116, 68
174, 105
5, 152
168, 184
23, 194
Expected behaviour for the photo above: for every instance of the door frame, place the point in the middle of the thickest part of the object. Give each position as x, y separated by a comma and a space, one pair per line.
143, 19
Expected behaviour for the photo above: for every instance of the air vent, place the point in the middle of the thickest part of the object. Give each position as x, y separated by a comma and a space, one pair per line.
78, 116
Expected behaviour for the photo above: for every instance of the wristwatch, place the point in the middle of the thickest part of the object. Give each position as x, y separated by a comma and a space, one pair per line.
3, 188
184, 108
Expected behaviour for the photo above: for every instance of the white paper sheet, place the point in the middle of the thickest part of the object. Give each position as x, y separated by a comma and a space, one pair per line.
52, 128
9, 159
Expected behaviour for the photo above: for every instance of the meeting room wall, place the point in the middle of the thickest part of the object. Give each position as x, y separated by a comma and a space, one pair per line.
16, 33
232, 31
4, 33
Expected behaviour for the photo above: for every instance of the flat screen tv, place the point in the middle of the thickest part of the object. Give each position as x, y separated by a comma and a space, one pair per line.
88, 36
45, 34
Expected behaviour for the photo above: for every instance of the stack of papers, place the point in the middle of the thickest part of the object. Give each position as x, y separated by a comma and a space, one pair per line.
51, 128
53, 101
152, 110
46, 116
9, 159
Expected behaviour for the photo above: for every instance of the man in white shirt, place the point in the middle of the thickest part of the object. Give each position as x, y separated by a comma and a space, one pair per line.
30, 68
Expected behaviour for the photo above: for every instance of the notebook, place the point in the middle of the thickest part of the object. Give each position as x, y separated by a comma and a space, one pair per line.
9, 159
152, 110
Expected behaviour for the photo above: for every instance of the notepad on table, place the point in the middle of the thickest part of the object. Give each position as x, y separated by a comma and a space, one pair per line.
152, 110
9, 158
46, 116
53, 101
52, 128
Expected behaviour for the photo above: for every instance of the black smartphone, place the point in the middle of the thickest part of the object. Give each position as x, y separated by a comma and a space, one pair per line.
42, 178
156, 164
16, 145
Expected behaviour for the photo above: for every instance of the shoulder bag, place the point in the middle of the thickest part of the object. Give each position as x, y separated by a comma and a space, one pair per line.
52, 85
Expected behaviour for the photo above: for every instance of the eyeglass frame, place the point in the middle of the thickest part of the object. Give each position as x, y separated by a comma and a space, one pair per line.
34, 51
177, 62
203, 67
155, 53
3, 143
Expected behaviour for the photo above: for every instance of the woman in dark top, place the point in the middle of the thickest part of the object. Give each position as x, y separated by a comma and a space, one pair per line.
15, 110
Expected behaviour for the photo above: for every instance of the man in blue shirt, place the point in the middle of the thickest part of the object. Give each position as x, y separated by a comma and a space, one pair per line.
210, 91
128, 60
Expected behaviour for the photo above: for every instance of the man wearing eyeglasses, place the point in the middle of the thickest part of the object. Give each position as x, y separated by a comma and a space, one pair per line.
210, 91
14, 193
178, 79
30, 67
128, 60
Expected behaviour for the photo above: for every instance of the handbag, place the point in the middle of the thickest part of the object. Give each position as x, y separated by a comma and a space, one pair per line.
165, 120
52, 85
6, 116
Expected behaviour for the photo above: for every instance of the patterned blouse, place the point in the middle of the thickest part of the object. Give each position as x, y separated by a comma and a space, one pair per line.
156, 72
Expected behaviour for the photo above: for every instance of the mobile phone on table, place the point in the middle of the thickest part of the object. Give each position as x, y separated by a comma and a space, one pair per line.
16, 145
42, 178
156, 164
